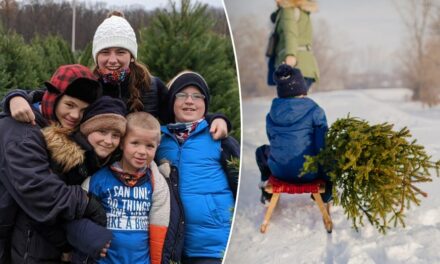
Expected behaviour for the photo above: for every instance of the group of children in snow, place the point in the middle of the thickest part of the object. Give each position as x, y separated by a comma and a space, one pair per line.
134, 211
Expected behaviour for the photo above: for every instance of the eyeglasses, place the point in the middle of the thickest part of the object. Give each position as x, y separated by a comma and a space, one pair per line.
194, 96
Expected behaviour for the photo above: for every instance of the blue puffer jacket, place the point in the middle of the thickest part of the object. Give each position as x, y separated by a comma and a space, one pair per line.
207, 199
295, 127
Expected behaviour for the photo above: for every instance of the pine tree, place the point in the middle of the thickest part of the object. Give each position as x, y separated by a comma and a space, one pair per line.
19, 63
375, 169
183, 39
85, 56
4, 82
55, 51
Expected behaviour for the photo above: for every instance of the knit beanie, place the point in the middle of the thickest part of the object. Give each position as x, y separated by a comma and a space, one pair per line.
290, 81
106, 113
180, 82
74, 80
114, 31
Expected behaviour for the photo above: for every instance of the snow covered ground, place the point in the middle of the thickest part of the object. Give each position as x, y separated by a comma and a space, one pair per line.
296, 233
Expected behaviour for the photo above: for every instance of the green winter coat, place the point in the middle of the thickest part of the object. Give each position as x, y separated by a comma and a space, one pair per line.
294, 28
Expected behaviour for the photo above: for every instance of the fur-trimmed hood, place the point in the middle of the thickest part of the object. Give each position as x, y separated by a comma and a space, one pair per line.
62, 149
306, 5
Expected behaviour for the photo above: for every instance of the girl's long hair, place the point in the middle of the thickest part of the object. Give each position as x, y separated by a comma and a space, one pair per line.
139, 81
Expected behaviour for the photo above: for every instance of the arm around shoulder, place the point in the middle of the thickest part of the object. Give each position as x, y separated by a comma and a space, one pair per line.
40, 193
230, 159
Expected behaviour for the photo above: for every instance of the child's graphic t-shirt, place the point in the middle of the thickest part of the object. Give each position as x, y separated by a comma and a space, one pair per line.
128, 211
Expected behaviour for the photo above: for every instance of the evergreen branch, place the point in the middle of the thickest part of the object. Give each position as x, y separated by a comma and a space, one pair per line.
375, 169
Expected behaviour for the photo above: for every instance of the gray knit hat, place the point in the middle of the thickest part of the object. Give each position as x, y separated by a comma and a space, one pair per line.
114, 31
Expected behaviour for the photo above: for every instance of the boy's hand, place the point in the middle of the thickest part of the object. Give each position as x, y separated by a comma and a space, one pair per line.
165, 168
104, 250
21, 110
219, 129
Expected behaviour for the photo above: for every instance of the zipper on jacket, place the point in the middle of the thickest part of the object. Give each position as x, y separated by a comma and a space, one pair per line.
175, 186
28, 242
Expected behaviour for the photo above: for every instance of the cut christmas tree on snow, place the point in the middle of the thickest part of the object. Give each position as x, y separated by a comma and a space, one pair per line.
374, 169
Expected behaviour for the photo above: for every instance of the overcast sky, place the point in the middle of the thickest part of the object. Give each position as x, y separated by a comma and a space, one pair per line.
358, 26
150, 4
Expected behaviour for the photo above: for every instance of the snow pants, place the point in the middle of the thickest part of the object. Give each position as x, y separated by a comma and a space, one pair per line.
262, 155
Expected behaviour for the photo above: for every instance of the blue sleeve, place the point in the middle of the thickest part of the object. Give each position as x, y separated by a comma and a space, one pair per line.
268, 126
320, 131
320, 128
94, 186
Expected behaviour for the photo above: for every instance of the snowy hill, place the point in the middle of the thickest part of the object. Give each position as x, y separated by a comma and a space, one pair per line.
296, 233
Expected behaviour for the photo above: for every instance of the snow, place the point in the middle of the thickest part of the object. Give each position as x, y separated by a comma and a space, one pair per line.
296, 233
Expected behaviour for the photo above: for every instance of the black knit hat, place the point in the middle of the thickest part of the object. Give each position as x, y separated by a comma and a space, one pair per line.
86, 90
290, 81
105, 113
180, 82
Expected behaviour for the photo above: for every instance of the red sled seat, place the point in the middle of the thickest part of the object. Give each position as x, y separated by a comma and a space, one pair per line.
277, 187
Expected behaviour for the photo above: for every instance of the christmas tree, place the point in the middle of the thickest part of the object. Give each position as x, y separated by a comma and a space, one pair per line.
374, 169
181, 38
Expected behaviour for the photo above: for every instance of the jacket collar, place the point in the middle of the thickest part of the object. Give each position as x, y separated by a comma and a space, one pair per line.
305, 5
62, 148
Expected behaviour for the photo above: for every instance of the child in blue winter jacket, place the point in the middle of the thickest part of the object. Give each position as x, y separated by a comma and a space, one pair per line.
206, 186
296, 127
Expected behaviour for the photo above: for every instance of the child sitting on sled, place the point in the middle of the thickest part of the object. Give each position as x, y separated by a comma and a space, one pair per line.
296, 127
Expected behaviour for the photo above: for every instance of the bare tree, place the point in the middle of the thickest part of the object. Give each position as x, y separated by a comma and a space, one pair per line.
250, 43
431, 63
8, 11
416, 15
332, 62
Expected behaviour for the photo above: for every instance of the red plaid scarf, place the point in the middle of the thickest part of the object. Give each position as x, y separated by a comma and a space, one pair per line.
129, 179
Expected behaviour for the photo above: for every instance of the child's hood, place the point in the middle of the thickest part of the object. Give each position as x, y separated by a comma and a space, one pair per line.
288, 111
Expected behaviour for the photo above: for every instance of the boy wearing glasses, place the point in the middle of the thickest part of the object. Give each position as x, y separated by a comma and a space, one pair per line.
207, 187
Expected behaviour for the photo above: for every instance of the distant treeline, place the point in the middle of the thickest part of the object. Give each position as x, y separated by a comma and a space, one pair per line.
30, 18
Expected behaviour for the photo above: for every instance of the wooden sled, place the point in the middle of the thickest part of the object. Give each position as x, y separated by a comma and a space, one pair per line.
277, 187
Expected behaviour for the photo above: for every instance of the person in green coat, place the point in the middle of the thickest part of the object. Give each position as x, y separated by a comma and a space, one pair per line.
293, 26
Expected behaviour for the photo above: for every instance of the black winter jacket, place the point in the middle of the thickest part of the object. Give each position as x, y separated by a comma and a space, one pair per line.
41, 196
173, 245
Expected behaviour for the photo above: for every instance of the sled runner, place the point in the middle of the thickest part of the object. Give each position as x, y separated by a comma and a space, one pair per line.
277, 187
